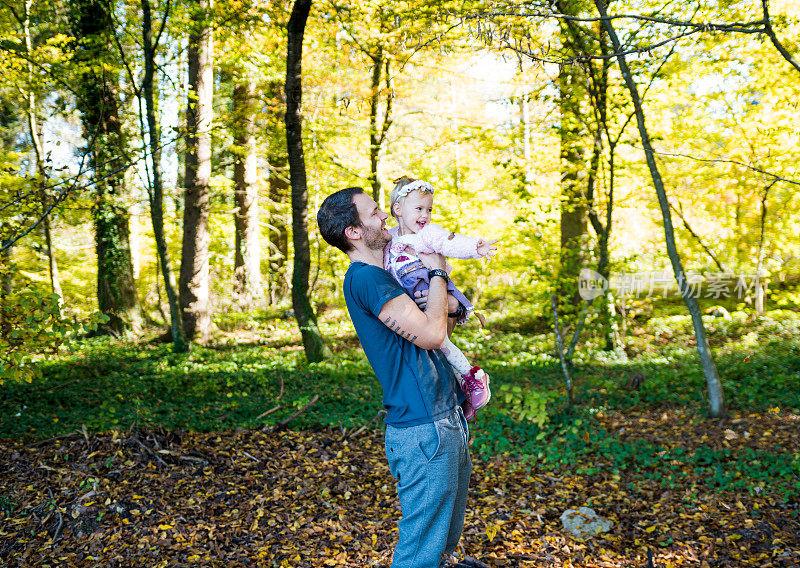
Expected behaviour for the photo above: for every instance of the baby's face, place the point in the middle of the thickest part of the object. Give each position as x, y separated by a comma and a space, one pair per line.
415, 211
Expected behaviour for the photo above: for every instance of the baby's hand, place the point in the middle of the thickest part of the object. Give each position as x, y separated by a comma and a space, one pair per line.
487, 248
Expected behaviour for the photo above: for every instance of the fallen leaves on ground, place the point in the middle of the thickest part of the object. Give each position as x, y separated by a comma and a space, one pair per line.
303, 499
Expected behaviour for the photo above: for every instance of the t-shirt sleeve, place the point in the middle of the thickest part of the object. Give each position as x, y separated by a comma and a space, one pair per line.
374, 289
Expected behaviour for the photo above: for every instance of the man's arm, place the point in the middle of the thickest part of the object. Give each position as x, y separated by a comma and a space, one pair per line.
426, 329
421, 299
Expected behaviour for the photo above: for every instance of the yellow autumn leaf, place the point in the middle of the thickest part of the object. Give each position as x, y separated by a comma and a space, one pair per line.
650, 529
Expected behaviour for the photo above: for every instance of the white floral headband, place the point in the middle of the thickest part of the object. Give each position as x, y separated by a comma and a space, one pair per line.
423, 186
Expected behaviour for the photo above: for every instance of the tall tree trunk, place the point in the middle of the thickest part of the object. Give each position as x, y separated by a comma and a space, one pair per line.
717, 408
247, 261
117, 296
278, 226
194, 275
41, 172
312, 339
156, 187
574, 228
374, 141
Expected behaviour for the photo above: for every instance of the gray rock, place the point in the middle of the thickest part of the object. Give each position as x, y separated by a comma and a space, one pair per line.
584, 523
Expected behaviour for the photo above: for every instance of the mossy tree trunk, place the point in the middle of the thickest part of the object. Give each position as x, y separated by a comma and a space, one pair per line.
573, 102
117, 296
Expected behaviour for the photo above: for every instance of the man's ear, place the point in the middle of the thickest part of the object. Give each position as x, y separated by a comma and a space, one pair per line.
353, 233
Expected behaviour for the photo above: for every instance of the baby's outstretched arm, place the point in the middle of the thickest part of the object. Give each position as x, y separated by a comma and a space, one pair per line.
487, 248
436, 238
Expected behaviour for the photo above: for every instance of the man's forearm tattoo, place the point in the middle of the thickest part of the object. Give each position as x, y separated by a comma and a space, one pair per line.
392, 324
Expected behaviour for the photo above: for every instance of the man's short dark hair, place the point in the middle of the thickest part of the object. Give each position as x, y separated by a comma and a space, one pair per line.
337, 213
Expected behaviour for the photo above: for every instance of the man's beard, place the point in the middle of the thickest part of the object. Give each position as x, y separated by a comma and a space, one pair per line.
376, 239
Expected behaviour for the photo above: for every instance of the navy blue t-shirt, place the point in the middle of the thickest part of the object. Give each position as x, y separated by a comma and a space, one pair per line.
419, 386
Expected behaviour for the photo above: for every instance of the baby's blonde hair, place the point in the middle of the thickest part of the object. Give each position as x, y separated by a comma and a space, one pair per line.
394, 197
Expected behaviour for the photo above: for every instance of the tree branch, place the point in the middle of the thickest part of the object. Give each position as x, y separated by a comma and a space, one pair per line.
774, 39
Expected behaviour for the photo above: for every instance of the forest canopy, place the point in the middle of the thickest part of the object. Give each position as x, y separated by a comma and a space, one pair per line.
161, 159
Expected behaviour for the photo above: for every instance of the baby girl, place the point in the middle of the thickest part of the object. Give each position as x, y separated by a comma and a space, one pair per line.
411, 204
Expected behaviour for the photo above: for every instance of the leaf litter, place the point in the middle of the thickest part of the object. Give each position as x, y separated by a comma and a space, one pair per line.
314, 498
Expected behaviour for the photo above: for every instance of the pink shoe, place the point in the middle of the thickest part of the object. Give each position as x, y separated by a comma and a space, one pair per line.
475, 385
468, 410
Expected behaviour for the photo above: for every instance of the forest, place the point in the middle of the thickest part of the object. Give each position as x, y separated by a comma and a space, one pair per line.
181, 385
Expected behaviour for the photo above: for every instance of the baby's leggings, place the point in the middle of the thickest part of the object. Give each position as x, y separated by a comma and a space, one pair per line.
455, 357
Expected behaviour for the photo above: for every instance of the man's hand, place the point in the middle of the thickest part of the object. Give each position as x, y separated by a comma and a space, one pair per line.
432, 260
421, 298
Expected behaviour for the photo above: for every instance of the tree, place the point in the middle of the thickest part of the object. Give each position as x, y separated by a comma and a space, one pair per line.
306, 319
194, 276
247, 261
151, 135
574, 131
31, 92
715, 394
278, 219
98, 101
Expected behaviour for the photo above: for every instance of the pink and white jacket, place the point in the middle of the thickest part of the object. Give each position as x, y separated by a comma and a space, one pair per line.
435, 238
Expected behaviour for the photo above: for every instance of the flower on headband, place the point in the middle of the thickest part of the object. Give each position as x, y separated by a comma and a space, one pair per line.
423, 186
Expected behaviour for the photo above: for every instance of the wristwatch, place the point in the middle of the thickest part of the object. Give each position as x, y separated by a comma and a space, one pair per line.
438, 272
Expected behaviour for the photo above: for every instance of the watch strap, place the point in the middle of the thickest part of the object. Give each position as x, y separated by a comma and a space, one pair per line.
438, 272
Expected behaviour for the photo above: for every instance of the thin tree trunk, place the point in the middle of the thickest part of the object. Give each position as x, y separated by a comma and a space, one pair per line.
688, 227
55, 280
194, 275
715, 394
526, 142
41, 172
156, 189
6, 258
247, 260
312, 339
759, 287
117, 295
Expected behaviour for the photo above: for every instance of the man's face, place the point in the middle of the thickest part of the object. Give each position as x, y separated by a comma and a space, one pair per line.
373, 222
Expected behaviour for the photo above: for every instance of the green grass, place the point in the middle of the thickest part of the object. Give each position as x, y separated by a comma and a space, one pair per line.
257, 364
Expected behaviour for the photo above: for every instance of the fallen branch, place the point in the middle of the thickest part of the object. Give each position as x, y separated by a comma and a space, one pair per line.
40, 443
268, 412
152, 453
285, 421
182, 457
381, 412
60, 524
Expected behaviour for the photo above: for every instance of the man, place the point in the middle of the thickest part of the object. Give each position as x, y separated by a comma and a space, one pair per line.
426, 432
